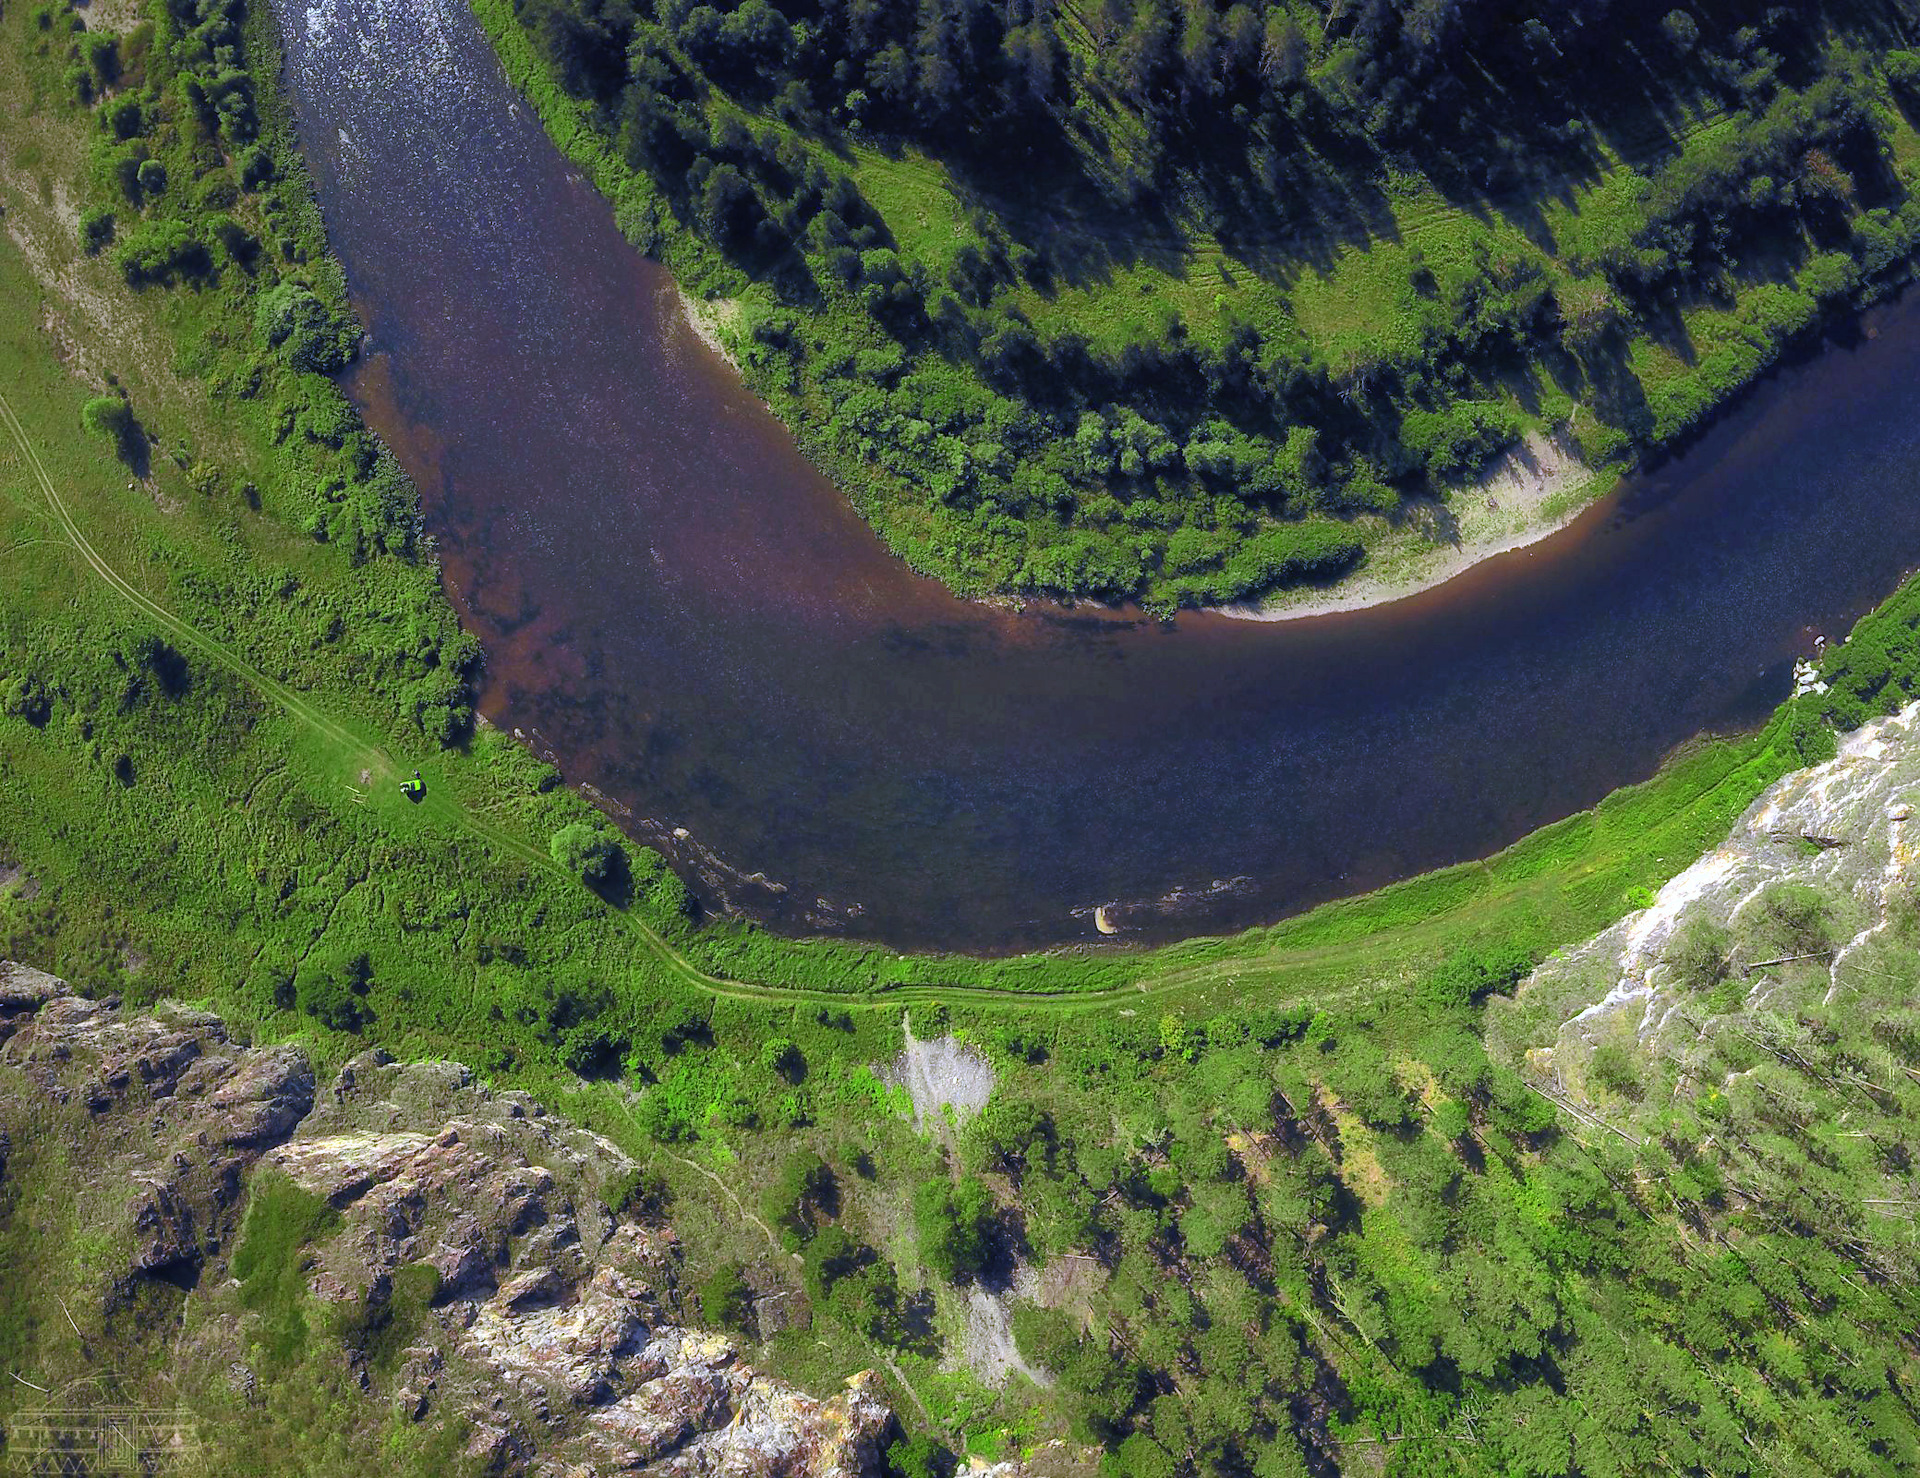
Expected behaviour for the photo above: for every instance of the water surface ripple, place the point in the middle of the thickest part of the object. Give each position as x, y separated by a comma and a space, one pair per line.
683, 613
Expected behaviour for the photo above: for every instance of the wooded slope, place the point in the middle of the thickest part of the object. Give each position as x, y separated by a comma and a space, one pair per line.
1179, 300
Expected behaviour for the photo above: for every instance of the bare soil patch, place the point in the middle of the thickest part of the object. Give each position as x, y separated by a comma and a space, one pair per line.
949, 1081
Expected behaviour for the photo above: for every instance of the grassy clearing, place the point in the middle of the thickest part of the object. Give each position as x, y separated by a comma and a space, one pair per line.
233, 836
1130, 341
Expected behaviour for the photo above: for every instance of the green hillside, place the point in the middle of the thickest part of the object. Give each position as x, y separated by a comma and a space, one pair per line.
1182, 301
1296, 1215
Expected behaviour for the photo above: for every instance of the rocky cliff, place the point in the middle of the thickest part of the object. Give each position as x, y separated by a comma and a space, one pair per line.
1806, 910
464, 1273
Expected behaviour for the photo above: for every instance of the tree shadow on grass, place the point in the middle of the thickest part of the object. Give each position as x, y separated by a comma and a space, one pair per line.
915, 1332
136, 451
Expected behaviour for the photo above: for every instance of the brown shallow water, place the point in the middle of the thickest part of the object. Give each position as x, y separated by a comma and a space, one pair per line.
687, 617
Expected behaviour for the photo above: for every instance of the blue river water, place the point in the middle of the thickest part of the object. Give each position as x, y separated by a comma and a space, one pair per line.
688, 618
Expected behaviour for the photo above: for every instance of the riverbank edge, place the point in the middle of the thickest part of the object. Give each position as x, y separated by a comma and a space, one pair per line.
1665, 820
1692, 797
1687, 405
1358, 939
1403, 557
1406, 562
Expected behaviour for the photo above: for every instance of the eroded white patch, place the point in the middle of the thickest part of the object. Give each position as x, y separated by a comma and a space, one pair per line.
1856, 807
1682, 890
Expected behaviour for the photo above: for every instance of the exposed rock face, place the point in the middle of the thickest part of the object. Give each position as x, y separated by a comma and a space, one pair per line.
554, 1337
1845, 834
179, 1112
544, 1294
24, 991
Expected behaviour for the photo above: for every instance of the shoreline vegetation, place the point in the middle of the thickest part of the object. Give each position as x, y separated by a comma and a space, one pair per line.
1527, 494
266, 464
1091, 306
1291, 1214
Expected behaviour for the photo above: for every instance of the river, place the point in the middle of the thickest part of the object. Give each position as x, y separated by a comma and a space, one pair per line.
686, 616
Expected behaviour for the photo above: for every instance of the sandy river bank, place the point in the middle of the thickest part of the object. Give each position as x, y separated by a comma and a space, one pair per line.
1525, 495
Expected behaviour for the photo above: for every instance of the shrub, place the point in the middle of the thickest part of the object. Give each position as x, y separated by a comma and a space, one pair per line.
728, 209
1793, 919
25, 697
586, 852
918, 1457
160, 249
122, 166
1459, 438
780, 1055
257, 168
1682, 31
331, 991
96, 229
1903, 71
726, 1300
1899, 1030
123, 118
1290, 553
1468, 979
1698, 954
954, 1226
1009, 1135
642, 1195
803, 1199
1044, 1337
234, 238
315, 340
147, 663
851, 1282
830, 1257
217, 191
111, 419
1616, 1068
327, 418
103, 57
1589, 312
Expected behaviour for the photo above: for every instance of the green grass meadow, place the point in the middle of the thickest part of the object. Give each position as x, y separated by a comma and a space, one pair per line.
214, 672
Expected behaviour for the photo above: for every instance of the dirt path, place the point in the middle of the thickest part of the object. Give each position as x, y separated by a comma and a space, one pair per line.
361, 754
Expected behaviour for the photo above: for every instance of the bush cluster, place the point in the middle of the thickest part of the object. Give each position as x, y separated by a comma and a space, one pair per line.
1009, 445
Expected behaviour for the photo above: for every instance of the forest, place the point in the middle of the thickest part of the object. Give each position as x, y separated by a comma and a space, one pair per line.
1183, 301
1301, 1205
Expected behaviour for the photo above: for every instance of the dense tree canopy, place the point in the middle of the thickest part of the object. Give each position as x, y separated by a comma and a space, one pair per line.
1269, 1231
946, 205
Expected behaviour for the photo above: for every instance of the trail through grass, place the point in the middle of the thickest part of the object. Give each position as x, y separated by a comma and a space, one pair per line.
353, 751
